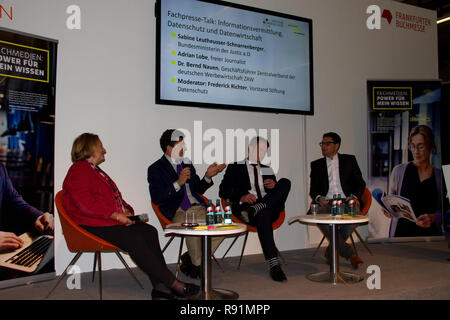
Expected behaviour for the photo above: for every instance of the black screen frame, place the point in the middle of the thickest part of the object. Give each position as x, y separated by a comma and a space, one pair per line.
158, 99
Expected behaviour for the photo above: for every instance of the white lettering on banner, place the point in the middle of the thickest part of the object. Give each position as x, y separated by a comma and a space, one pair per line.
374, 20
73, 22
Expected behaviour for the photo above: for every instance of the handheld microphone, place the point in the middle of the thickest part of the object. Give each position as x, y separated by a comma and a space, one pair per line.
186, 163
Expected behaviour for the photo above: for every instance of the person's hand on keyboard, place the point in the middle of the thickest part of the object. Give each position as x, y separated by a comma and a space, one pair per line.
9, 241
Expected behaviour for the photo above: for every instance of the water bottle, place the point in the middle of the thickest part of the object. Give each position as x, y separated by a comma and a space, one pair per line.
218, 218
351, 206
340, 206
228, 214
334, 205
209, 214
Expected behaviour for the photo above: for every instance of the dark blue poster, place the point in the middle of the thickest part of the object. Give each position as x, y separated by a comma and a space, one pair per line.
27, 130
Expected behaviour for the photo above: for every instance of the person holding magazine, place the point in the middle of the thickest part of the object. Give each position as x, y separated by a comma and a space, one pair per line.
421, 183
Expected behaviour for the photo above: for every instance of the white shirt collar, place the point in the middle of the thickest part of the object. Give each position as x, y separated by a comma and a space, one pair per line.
335, 158
173, 161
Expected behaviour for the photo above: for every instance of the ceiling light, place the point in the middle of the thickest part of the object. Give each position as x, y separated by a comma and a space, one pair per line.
443, 20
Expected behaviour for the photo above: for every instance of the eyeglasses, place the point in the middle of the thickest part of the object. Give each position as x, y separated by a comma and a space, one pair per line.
420, 147
326, 143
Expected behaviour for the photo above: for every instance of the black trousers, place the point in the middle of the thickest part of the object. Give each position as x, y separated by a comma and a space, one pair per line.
141, 242
264, 219
343, 233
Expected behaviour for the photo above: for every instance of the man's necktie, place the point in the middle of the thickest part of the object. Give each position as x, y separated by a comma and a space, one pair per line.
185, 203
255, 173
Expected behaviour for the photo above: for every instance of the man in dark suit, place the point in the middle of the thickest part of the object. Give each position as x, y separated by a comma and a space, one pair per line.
257, 198
175, 186
336, 173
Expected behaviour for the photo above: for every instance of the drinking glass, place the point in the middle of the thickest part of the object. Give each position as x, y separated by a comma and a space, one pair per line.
314, 209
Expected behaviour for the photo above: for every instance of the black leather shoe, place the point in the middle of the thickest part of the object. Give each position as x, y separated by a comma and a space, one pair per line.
188, 268
277, 274
186, 258
189, 290
195, 272
251, 212
248, 214
244, 216
160, 295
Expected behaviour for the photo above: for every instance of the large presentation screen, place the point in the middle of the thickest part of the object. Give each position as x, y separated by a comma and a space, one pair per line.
224, 55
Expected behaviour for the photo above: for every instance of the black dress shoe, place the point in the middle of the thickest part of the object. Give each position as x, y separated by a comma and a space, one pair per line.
160, 295
186, 264
190, 270
195, 272
244, 216
186, 258
277, 274
189, 290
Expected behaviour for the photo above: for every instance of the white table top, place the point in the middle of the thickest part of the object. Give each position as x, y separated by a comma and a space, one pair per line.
216, 230
329, 219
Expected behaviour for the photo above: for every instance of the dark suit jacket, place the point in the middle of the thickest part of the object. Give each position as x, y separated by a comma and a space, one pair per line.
349, 174
16, 215
236, 183
161, 176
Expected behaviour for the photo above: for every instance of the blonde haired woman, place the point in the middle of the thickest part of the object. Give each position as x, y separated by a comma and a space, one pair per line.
420, 182
93, 201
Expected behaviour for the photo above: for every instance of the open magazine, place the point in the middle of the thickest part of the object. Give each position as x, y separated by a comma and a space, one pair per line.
397, 206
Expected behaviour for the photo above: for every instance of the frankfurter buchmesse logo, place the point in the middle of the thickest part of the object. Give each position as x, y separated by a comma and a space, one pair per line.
402, 20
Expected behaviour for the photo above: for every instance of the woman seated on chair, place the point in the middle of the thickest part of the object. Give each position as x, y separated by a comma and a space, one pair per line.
95, 203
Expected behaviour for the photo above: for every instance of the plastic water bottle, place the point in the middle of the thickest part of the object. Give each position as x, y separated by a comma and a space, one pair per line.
334, 205
218, 217
209, 214
340, 206
228, 214
351, 206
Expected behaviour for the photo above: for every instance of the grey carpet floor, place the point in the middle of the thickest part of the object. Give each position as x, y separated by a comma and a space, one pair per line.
408, 271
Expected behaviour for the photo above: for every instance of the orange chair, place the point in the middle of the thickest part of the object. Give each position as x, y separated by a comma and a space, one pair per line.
79, 240
366, 201
164, 221
275, 225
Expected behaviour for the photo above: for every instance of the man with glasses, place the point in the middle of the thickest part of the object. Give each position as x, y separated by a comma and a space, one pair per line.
336, 173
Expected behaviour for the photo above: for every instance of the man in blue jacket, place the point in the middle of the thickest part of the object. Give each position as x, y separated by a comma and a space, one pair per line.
175, 187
